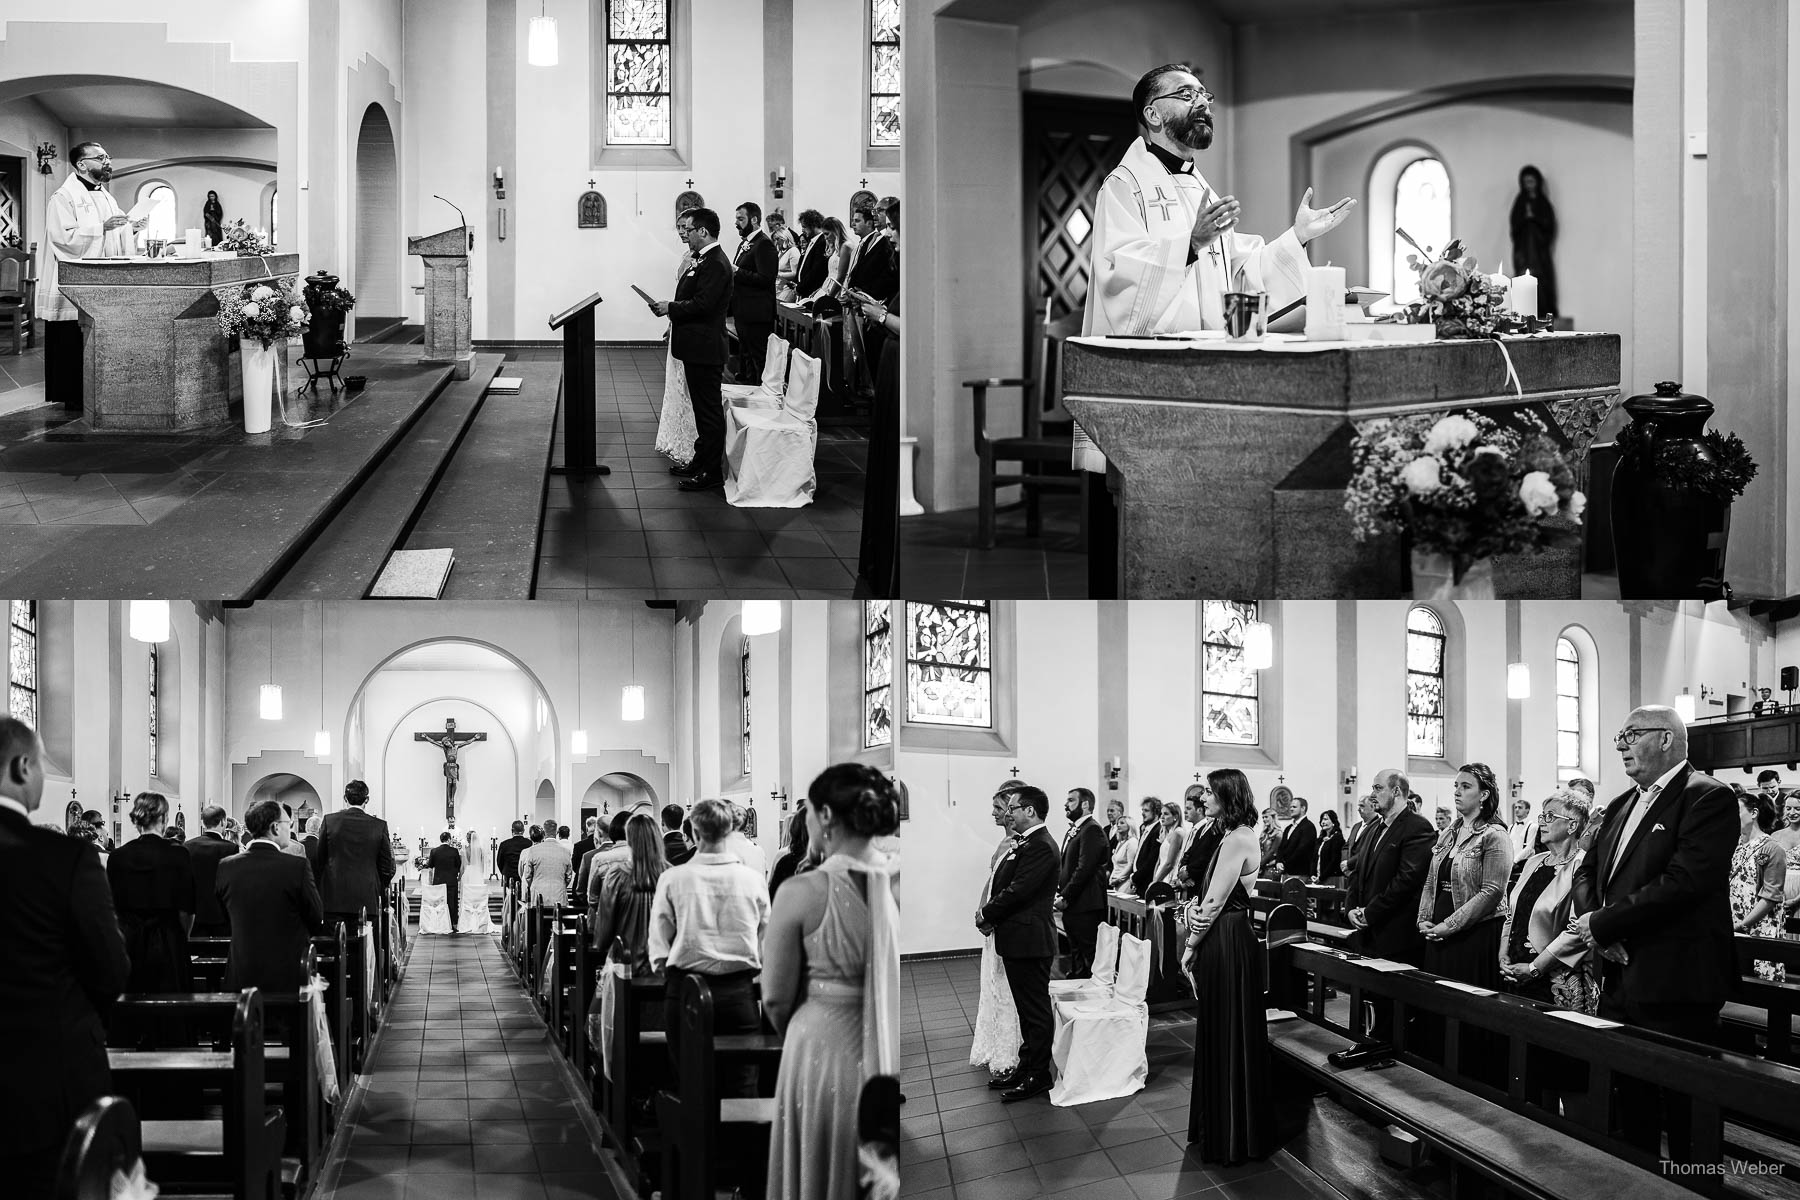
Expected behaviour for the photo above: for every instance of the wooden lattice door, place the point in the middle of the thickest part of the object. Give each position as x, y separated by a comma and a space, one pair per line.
12, 191
1071, 143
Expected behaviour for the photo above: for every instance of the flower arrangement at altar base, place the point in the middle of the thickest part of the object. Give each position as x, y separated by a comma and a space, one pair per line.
244, 241
1463, 486
1454, 295
264, 312
330, 300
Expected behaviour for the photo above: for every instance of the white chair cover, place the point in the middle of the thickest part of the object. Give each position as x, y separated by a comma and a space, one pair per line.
769, 452
767, 393
1099, 1044
434, 908
1106, 969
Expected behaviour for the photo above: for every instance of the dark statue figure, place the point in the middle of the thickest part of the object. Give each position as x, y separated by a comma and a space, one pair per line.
213, 214
450, 742
1533, 229
590, 213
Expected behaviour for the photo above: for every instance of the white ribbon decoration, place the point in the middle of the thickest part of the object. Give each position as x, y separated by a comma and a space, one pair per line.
1511, 375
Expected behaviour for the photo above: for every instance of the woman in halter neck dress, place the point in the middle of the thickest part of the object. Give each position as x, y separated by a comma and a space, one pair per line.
831, 984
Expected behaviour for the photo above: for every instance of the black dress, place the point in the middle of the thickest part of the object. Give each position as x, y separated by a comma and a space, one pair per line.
1232, 1117
152, 882
879, 561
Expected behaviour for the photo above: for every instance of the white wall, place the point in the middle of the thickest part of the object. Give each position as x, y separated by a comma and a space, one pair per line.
406, 777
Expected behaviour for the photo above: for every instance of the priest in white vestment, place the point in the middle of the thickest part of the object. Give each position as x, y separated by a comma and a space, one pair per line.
1165, 247
81, 220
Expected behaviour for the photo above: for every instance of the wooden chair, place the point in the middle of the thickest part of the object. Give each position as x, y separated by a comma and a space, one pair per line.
105, 1139
18, 282
1042, 448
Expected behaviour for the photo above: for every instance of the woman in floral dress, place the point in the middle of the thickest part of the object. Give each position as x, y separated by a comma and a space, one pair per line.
1758, 870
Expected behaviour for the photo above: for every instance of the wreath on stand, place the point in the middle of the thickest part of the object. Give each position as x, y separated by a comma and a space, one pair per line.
1678, 463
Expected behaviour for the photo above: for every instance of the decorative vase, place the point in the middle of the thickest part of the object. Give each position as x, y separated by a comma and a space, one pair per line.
259, 383
1434, 578
1669, 540
324, 334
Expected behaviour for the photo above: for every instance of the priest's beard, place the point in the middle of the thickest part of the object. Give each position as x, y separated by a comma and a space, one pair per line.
1192, 130
101, 174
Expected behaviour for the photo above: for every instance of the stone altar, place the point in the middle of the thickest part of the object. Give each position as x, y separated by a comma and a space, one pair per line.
155, 358
447, 324
1230, 464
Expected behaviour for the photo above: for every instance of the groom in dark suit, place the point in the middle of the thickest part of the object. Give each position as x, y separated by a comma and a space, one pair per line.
1654, 891
1018, 915
697, 341
446, 868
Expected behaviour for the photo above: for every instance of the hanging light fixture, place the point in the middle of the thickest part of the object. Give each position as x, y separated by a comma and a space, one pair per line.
631, 696
1259, 646
322, 739
540, 45
578, 737
1518, 681
271, 691
761, 616
149, 620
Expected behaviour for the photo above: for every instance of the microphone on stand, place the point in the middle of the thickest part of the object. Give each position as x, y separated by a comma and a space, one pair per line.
460, 217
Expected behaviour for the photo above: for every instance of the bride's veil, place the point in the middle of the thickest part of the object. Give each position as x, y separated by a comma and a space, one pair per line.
475, 856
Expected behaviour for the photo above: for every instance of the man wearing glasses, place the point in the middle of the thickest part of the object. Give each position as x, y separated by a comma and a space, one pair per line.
1654, 894
273, 905
1018, 914
697, 340
81, 221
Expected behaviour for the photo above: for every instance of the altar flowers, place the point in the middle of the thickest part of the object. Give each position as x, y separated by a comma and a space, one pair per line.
1453, 295
245, 242
1463, 487
267, 312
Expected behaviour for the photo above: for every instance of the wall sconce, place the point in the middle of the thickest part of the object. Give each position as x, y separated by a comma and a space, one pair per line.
1113, 770
1518, 785
778, 181
1350, 782
779, 797
499, 183
1709, 695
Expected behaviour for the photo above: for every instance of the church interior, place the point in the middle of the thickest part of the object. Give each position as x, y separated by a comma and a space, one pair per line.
563, 714
1426, 114
564, 139
1149, 699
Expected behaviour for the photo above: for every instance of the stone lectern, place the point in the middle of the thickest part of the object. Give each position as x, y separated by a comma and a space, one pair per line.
446, 258
1230, 465
155, 359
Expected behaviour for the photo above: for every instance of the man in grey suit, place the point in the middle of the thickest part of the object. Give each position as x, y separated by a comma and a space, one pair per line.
356, 859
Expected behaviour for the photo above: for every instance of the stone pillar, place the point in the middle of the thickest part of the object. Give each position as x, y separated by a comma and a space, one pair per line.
446, 258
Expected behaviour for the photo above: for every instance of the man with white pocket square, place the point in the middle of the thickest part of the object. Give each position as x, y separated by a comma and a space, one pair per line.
1654, 893
1018, 914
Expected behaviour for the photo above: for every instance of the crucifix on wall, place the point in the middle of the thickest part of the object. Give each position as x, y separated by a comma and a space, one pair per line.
450, 742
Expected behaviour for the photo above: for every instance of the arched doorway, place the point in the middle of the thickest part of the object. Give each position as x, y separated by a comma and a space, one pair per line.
377, 218
616, 791
544, 807
287, 789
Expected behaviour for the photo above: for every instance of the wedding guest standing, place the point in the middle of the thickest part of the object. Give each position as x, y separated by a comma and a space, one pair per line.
831, 985
273, 904
1758, 873
1538, 956
1081, 886
1149, 851
152, 883
1018, 914
1174, 840
510, 849
356, 860
793, 856
996, 1042
1462, 907
1331, 850
205, 853
879, 558
1232, 1115
621, 905
1383, 903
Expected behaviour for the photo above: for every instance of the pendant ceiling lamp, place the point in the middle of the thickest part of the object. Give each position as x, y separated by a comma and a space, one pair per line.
540, 44
761, 616
150, 620
271, 691
578, 743
631, 696
322, 739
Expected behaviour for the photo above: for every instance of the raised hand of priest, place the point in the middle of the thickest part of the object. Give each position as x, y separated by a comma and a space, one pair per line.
1310, 223
1212, 220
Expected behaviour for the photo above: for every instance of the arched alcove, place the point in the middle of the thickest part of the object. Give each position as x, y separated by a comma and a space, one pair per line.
284, 788
618, 790
377, 216
482, 800
544, 806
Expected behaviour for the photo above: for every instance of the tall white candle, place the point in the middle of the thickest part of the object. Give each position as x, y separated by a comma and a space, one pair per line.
1325, 304
1524, 295
1504, 284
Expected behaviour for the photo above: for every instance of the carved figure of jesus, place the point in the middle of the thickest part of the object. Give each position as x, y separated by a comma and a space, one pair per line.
450, 742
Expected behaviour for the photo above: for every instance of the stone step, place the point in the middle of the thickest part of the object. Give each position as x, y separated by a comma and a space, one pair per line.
344, 559
488, 506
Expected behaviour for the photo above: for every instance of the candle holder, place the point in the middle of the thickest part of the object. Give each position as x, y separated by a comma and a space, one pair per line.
493, 858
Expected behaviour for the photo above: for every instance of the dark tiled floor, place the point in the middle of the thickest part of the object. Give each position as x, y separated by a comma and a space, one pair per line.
465, 1097
959, 1141
634, 535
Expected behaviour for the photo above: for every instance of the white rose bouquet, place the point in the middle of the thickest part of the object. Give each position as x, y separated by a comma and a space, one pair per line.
270, 312
1463, 485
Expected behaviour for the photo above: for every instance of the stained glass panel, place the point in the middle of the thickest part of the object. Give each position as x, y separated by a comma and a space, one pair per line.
744, 678
22, 661
155, 679
878, 674
1424, 684
949, 679
637, 20
884, 72
1231, 719
1425, 737
1230, 709
639, 74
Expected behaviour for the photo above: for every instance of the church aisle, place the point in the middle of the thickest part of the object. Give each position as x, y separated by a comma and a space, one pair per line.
959, 1141
465, 1099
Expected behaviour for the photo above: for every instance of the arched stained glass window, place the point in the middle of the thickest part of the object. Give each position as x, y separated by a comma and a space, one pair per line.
1422, 208
22, 661
155, 705
744, 680
884, 73
949, 672
1425, 700
1230, 706
878, 673
639, 74
1568, 710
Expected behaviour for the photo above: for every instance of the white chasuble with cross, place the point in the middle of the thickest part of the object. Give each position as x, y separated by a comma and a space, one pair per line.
1139, 278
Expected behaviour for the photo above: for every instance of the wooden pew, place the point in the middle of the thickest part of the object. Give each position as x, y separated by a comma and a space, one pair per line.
702, 1132
567, 940
1760, 1016
345, 1004
1518, 1137
105, 1139
639, 1059
242, 1149
1168, 988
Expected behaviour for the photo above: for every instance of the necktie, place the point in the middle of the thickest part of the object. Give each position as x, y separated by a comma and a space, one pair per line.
1644, 801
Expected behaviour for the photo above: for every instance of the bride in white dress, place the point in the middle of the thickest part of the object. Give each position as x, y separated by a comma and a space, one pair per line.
473, 915
675, 429
996, 1018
